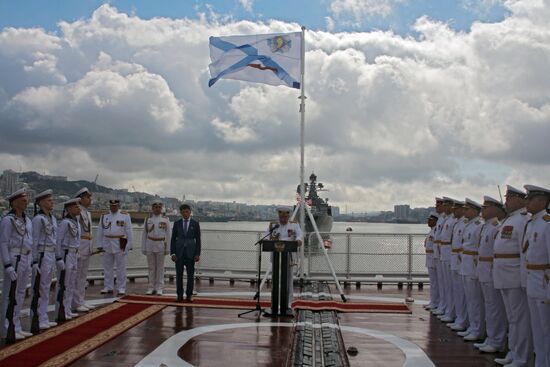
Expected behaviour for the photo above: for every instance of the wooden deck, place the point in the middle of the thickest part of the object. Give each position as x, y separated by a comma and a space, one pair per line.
269, 345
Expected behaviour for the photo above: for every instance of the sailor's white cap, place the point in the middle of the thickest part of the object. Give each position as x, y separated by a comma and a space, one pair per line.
471, 203
157, 202
438, 199
43, 194
447, 199
458, 203
70, 202
81, 192
16, 194
533, 190
512, 191
433, 215
114, 202
284, 209
493, 201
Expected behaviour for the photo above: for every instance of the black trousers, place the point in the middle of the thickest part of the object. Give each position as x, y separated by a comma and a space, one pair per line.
189, 265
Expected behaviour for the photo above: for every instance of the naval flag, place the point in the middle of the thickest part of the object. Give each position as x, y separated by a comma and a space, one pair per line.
273, 59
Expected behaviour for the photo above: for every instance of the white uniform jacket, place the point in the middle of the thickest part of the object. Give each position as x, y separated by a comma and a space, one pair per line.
445, 238
156, 235
112, 227
429, 246
85, 221
470, 245
68, 236
44, 235
288, 232
485, 259
456, 246
537, 246
507, 251
15, 238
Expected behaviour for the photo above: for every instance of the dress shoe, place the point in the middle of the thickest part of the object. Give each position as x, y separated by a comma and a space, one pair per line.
121, 292
489, 349
179, 299
428, 307
52, 324
82, 309
479, 345
89, 306
450, 324
159, 293
19, 336
189, 299
24, 333
471, 337
43, 326
149, 292
438, 312
106, 291
457, 327
463, 333
506, 360
447, 319
67, 317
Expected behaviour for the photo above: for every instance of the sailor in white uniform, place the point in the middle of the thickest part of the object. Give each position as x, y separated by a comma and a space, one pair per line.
288, 231
429, 247
474, 297
16, 252
114, 236
68, 242
44, 229
508, 279
84, 252
537, 247
459, 297
445, 238
495, 314
440, 307
157, 231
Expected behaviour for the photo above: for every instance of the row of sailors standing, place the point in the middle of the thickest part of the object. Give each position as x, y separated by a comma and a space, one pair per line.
43, 246
490, 273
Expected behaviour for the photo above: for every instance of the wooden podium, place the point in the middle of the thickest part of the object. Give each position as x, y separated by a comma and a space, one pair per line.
279, 290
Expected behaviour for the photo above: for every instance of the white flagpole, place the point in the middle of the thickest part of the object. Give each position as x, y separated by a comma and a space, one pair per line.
302, 139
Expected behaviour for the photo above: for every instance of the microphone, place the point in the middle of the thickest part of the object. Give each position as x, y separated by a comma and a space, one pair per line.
274, 227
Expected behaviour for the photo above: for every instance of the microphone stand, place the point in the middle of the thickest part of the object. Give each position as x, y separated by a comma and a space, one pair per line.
258, 278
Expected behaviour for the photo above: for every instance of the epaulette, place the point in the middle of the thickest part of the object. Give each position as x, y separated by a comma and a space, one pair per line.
477, 222
465, 220
495, 223
293, 221
524, 213
124, 212
546, 218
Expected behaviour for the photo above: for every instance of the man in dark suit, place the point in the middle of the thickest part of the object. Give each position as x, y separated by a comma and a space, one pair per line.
185, 250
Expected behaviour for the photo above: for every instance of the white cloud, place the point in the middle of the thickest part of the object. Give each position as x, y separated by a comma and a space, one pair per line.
247, 5
388, 118
364, 8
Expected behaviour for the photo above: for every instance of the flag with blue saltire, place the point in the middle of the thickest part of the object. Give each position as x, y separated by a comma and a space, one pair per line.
273, 59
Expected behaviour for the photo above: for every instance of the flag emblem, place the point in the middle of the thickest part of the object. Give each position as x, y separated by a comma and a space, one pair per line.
280, 44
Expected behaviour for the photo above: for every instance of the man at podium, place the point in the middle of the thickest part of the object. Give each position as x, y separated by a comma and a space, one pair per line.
285, 230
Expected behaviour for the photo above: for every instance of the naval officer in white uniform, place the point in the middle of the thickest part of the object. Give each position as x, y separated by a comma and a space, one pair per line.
508, 279
288, 231
537, 247
16, 252
85, 250
157, 231
114, 236
495, 315
429, 247
44, 235
459, 297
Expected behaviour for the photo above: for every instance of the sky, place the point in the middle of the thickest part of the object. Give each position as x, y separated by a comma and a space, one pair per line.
406, 99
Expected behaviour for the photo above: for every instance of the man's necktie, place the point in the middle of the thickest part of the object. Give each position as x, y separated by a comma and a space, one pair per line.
186, 222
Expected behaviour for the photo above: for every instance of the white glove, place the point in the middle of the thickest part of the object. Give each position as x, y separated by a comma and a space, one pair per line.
36, 268
12, 273
60, 264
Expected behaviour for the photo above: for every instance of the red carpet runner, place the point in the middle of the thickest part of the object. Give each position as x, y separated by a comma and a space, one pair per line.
69, 341
245, 304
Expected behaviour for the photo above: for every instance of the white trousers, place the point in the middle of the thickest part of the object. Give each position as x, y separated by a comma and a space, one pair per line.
24, 271
459, 299
448, 279
47, 270
540, 326
495, 315
83, 263
441, 285
434, 286
520, 340
155, 264
70, 283
476, 309
109, 260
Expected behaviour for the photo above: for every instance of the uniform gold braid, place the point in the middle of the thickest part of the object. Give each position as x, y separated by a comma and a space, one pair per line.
103, 223
147, 229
